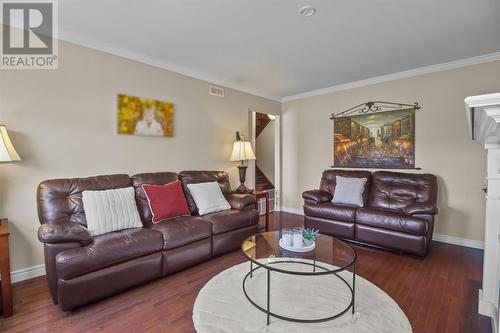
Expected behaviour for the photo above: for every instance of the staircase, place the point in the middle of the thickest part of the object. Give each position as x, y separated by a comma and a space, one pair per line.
261, 181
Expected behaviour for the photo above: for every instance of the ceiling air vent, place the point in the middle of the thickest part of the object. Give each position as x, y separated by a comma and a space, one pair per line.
216, 91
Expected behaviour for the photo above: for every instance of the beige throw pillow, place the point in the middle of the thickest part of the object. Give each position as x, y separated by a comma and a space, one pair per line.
349, 191
110, 210
208, 197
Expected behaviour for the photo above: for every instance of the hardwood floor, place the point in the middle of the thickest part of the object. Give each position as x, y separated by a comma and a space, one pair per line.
438, 294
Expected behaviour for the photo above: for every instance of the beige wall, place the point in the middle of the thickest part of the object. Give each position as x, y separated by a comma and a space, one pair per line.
264, 151
63, 124
442, 143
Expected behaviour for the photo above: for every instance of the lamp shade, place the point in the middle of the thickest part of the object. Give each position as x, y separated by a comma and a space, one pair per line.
242, 150
7, 151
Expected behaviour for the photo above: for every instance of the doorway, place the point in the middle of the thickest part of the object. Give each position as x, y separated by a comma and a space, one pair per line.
265, 136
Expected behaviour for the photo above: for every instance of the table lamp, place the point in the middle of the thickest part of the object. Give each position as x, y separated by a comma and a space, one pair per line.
7, 151
242, 151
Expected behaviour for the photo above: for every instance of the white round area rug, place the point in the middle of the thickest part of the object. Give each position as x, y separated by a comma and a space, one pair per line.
221, 306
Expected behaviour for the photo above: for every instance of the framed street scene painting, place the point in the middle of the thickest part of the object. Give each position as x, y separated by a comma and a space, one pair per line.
382, 140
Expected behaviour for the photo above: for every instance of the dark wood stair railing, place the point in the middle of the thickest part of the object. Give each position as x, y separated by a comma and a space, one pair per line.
261, 121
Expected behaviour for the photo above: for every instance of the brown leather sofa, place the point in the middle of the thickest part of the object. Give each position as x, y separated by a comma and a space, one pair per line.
398, 211
82, 269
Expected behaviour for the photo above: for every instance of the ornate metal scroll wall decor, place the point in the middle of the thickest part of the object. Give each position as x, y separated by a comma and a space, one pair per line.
375, 106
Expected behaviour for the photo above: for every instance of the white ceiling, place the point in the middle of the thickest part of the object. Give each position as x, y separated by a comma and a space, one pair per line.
266, 47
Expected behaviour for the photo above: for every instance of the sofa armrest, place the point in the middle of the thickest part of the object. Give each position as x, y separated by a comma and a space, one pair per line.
421, 208
241, 201
317, 196
64, 233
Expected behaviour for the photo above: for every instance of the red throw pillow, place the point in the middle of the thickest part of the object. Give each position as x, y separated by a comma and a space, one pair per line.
166, 201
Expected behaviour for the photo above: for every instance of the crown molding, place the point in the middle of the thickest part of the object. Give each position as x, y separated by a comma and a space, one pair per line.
400, 75
79, 40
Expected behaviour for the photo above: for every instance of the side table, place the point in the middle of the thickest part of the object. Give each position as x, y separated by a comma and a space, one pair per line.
263, 194
5, 269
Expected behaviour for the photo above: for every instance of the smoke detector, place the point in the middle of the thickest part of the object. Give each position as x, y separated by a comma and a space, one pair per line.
307, 11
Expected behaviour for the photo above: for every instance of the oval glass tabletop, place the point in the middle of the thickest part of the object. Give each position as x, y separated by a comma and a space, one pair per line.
264, 250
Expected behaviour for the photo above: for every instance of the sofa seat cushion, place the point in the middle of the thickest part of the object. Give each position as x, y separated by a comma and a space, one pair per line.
328, 210
392, 220
182, 230
108, 250
231, 220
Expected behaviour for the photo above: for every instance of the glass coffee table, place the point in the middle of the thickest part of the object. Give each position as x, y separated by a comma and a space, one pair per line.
331, 257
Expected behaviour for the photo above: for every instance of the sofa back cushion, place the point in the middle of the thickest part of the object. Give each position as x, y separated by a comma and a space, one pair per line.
60, 200
396, 190
151, 178
328, 180
195, 177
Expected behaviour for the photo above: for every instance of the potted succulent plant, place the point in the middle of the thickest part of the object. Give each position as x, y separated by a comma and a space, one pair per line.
309, 235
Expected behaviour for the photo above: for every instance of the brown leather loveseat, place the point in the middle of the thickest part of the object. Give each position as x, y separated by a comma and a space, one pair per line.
398, 211
81, 268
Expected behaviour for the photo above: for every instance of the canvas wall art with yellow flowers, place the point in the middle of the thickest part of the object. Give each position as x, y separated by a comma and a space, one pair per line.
144, 116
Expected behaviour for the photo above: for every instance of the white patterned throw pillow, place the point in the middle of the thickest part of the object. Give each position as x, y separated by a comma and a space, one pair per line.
349, 191
110, 210
208, 197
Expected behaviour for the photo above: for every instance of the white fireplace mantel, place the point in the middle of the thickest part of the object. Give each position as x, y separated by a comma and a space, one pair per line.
483, 118
483, 115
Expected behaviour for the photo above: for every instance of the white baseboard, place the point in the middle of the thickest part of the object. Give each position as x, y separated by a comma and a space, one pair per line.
476, 244
292, 210
27, 273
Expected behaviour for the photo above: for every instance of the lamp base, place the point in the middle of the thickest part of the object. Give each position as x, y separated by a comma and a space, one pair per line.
243, 189
242, 169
